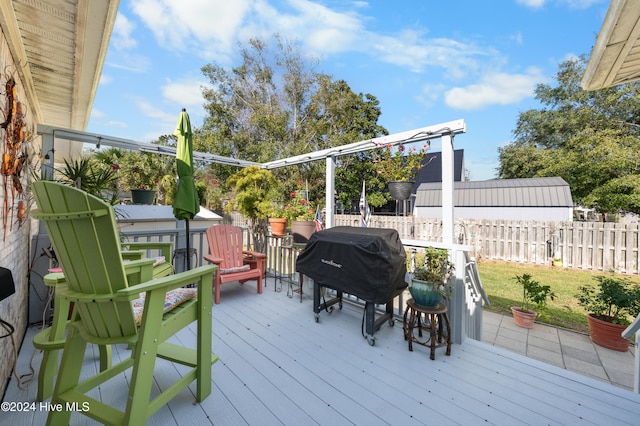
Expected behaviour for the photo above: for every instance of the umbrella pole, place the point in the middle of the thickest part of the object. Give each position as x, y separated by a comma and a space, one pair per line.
188, 251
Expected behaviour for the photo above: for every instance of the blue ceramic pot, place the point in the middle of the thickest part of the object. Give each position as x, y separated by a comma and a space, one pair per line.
424, 293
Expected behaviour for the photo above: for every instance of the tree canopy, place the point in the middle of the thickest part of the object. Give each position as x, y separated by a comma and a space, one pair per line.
589, 138
275, 105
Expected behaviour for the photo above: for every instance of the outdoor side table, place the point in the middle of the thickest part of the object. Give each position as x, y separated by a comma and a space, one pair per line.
435, 323
281, 242
292, 250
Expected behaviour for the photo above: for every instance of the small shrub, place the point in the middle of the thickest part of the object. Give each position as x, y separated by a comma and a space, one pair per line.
612, 299
533, 293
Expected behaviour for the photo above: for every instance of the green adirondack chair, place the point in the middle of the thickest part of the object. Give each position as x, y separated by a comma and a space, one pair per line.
84, 234
51, 339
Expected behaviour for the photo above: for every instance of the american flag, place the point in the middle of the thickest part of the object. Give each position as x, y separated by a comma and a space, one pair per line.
365, 211
318, 220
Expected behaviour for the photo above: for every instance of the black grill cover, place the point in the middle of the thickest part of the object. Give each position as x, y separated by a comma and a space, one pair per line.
368, 263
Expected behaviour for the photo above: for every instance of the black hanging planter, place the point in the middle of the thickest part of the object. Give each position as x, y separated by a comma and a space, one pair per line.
143, 196
400, 189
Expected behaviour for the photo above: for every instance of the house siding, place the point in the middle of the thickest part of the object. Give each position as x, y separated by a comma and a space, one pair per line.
14, 246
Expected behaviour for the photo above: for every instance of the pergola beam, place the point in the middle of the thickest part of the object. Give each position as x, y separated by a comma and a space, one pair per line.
446, 131
422, 134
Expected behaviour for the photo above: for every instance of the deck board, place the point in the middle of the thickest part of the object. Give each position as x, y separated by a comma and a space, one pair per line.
278, 366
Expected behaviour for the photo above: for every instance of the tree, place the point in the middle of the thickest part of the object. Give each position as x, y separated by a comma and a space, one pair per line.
275, 105
255, 191
590, 139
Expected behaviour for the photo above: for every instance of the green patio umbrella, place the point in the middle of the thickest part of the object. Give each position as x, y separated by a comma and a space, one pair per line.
185, 204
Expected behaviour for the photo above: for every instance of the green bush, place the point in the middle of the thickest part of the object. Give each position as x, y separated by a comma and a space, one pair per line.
612, 299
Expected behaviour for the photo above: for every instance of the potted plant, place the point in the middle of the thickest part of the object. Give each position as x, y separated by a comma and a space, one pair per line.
430, 281
141, 174
611, 304
92, 177
533, 295
399, 166
301, 214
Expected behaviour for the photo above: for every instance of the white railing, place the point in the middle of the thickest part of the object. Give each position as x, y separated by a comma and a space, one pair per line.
465, 306
628, 333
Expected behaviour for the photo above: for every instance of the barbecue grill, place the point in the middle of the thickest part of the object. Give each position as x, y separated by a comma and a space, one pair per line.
368, 263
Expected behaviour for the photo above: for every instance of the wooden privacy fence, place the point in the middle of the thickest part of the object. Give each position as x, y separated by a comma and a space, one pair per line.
593, 246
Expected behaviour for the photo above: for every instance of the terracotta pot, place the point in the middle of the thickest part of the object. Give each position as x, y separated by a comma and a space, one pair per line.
524, 319
606, 334
278, 226
302, 230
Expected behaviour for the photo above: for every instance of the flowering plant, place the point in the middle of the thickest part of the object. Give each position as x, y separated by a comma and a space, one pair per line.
139, 171
298, 208
401, 164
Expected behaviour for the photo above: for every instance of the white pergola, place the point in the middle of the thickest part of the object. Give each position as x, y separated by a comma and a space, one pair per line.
445, 131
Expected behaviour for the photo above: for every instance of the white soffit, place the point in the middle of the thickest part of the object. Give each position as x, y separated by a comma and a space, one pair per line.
615, 58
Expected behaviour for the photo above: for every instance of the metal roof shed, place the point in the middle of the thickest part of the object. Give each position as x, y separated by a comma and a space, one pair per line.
524, 199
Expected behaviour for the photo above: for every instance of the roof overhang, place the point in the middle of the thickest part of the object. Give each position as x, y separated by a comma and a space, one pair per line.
59, 47
615, 58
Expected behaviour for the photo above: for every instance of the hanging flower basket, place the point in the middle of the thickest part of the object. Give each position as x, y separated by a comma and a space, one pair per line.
400, 189
143, 196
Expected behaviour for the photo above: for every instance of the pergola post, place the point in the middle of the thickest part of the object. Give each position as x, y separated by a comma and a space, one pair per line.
447, 188
330, 162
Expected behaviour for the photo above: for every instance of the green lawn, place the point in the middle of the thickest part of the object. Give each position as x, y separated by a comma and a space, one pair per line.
504, 292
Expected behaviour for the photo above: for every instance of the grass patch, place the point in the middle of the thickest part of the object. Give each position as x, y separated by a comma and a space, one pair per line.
503, 291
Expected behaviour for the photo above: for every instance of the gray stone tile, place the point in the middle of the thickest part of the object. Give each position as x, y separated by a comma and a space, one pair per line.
508, 333
549, 345
545, 355
586, 355
586, 368
614, 359
511, 344
563, 348
575, 339
544, 332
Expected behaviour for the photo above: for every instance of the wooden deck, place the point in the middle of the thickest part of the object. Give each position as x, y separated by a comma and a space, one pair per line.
278, 366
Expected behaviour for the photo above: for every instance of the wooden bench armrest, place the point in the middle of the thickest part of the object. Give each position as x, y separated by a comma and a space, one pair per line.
255, 254
214, 260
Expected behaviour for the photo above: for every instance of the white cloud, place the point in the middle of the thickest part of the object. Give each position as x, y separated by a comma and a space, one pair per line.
153, 111
517, 38
211, 29
410, 51
536, 4
185, 93
120, 124
430, 94
574, 4
202, 25
105, 79
96, 113
122, 29
582, 4
496, 88
129, 62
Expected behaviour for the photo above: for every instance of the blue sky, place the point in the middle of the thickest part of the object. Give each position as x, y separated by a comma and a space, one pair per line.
427, 61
